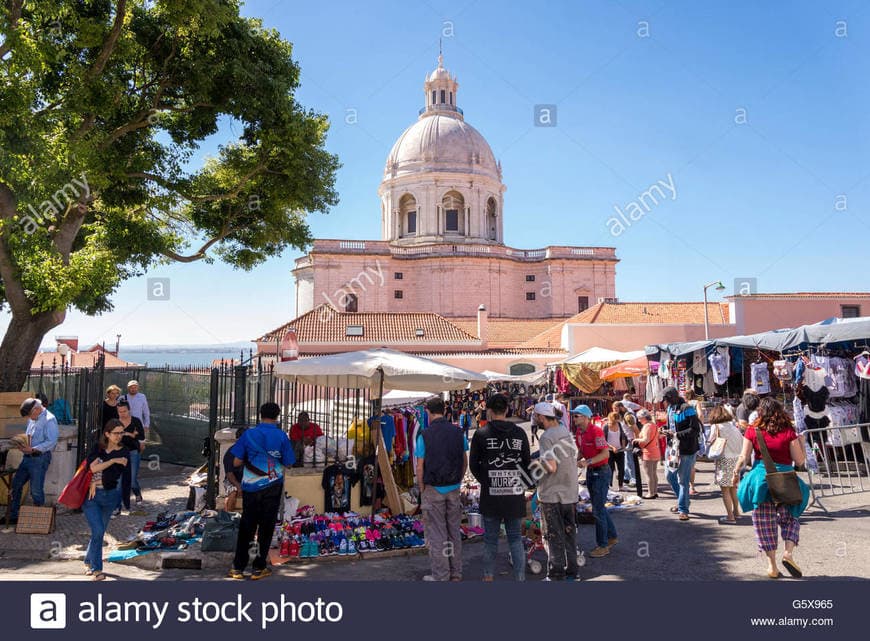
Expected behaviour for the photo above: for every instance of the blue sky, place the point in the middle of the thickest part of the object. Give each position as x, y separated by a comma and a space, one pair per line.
756, 112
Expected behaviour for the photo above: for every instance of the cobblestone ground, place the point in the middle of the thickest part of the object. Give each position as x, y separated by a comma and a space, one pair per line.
653, 544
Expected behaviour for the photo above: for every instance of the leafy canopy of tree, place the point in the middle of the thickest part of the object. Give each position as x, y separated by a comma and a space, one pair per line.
102, 105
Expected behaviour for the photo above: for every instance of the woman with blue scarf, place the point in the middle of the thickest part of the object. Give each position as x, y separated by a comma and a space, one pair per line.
775, 427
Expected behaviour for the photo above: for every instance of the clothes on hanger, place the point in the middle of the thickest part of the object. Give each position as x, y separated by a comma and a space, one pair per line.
760, 377
336, 482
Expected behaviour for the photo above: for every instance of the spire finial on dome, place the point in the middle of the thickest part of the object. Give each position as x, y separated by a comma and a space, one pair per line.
440, 55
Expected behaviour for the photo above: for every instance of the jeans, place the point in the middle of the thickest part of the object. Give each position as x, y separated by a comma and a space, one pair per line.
98, 512
135, 461
442, 518
630, 470
616, 462
259, 515
598, 482
513, 530
559, 528
679, 481
33, 469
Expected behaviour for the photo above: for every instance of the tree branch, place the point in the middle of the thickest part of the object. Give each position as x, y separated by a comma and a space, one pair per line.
14, 16
200, 253
111, 40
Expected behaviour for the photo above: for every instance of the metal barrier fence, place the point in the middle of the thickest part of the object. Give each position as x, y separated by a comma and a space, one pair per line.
843, 458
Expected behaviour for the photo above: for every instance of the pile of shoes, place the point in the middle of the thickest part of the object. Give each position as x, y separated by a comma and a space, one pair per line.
347, 534
169, 531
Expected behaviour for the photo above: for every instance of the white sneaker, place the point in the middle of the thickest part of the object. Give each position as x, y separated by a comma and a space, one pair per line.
429, 577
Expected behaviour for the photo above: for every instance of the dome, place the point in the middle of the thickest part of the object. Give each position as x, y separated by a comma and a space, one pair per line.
439, 142
439, 73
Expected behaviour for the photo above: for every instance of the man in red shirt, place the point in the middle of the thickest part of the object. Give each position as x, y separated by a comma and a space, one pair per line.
303, 432
595, 454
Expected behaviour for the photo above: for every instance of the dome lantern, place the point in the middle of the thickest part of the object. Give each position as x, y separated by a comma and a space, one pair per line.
440, 90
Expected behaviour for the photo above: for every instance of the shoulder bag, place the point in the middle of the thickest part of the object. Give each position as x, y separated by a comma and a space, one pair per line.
784, 487
76, 491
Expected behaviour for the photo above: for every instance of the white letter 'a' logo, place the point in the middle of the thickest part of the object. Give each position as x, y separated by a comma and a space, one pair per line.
47, 611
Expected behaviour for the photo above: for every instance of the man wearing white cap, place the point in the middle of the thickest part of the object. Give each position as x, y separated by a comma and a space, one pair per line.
41, 432
138, 409
558, 493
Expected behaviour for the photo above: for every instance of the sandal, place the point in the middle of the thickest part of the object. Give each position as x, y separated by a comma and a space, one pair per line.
99, 576
774, 574
675, 510
684, 517
724, 520
792, 568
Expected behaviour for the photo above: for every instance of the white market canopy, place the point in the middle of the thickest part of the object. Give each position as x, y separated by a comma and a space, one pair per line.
601, 355
405, 397
532, 378
372, 368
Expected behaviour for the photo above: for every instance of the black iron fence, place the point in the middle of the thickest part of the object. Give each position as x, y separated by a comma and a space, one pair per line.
190, 405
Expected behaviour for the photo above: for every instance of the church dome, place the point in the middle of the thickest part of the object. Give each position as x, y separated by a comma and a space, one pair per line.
441, 142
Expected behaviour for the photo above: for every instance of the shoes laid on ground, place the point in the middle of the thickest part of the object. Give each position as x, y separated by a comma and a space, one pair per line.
598, 552
684, 517
261, 574
235, 574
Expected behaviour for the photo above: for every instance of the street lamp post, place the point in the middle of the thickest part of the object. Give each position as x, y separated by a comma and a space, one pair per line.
719, 288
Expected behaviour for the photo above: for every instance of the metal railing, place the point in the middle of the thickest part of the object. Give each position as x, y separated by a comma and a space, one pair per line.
843, 460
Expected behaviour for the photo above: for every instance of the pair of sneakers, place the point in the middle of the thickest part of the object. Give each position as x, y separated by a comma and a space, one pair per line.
256, 575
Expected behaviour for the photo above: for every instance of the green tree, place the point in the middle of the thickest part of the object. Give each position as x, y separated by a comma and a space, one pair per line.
102, 104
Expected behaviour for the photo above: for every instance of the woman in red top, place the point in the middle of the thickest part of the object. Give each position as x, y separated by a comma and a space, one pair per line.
775, 427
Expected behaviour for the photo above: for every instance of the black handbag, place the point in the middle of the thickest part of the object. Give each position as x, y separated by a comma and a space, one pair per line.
784, 487
220, 533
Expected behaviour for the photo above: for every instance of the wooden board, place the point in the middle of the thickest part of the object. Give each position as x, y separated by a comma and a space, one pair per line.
14, 398
35, 520
393, 500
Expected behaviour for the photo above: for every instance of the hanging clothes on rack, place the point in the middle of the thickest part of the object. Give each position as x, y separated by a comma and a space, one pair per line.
760, 377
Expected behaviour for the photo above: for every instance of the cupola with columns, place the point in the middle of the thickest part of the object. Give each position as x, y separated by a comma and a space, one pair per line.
442, 182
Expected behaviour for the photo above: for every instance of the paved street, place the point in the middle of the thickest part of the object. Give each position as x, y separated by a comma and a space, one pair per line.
653, 544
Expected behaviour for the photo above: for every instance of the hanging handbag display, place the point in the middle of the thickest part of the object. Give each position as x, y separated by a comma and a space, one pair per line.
76, 491
784, 487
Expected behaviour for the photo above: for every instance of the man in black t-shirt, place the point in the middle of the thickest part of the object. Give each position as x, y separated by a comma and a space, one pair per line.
500, 458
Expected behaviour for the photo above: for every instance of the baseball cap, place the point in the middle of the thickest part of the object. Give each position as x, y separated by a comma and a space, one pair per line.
670, 391
133, 382
545, 409
28, 405
582, 409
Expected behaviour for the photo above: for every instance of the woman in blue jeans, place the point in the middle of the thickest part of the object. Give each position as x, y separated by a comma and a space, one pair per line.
107, 461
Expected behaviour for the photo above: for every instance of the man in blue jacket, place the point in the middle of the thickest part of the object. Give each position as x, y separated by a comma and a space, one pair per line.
264, 451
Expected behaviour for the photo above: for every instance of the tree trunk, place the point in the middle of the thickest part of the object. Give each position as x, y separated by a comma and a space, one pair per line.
20, 344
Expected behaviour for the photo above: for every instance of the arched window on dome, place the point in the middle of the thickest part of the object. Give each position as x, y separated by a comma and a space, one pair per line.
492, 218
408, 215
453, 205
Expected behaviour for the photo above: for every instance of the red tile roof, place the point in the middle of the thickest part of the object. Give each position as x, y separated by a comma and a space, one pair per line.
806, 295
75, 360
507, 332
633, 314
324, 324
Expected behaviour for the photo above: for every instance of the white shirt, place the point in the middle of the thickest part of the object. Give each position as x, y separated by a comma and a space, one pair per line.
139, 408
